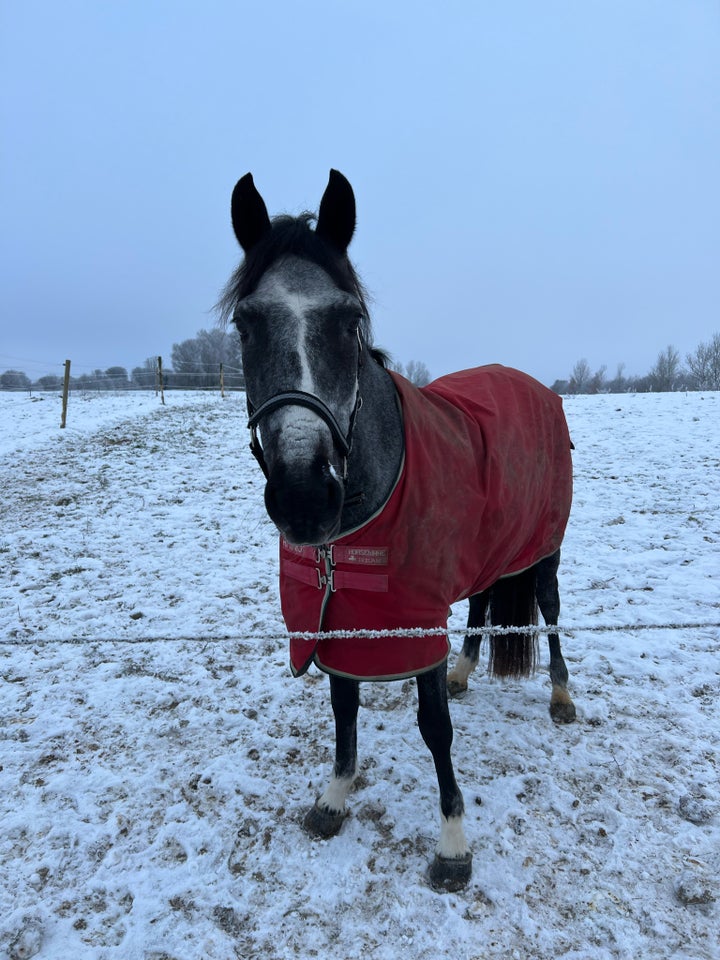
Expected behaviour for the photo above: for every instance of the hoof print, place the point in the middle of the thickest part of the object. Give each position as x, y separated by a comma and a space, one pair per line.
322, 823
449, 876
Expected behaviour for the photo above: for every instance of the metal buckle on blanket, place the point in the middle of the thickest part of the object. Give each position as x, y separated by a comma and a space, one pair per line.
327, 579
325, 553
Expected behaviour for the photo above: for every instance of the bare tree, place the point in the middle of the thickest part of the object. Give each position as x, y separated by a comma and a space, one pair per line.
14, 380
704, 365
117, 378
597, 381
196, 362
618, 384
667, 372
580, 377
144, 377
417, 373
49, 382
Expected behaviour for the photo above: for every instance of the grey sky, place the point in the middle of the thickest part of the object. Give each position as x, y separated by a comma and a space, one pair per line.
536, 182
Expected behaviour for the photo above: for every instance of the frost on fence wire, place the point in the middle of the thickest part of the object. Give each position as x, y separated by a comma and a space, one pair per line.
281, 634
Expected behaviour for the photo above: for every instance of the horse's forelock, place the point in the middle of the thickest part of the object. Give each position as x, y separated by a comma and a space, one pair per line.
291, 236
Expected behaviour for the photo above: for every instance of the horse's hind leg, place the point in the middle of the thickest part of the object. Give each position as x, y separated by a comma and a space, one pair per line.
562, 709
457, 681
326, 817
452, 866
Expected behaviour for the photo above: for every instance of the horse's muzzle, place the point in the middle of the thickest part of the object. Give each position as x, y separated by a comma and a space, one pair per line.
305, 502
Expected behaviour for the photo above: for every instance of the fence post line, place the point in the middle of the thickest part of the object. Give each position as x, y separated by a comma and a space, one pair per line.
222, 382
66, 391
160, 381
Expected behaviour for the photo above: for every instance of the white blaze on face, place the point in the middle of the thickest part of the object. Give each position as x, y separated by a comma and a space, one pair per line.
300, 305
298, 423
299, 427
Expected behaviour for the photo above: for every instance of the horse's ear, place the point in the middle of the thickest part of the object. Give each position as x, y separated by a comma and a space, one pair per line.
336, 219
250, 218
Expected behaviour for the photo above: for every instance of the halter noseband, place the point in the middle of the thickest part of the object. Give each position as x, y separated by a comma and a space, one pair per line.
299, 398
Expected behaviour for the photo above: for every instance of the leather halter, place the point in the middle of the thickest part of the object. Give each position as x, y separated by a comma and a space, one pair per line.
299, 398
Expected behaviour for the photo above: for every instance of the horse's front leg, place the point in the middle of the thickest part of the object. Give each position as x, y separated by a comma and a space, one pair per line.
326, 817
452, 866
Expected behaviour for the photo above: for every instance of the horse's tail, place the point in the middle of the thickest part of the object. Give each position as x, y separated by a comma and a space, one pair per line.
513, 604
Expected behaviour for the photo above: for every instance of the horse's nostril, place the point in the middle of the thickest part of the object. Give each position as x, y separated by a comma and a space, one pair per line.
305, 502
270, 496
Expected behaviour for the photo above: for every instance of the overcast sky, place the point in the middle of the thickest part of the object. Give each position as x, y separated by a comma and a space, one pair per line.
536, 181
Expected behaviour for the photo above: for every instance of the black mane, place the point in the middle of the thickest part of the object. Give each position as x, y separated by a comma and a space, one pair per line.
293, 236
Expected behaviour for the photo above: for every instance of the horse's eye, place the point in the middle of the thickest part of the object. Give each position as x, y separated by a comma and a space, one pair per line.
242, 330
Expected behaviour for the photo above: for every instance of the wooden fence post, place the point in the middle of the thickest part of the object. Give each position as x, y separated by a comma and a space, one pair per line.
160, 381
222, 382
66, 390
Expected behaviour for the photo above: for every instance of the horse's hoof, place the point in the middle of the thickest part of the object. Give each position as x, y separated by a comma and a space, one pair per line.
456, 688
323, 823
563, 711
449, 876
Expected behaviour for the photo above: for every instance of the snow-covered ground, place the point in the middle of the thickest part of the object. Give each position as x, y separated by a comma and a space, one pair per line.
151, 791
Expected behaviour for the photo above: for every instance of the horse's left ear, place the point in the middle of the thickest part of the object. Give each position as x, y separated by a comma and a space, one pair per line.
336, 219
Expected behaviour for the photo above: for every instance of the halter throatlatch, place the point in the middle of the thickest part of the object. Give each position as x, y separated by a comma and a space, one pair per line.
298, 398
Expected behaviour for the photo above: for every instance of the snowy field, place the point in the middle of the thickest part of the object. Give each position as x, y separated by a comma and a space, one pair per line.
151, 789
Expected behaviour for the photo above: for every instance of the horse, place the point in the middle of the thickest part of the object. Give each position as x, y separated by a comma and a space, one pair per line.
391, 501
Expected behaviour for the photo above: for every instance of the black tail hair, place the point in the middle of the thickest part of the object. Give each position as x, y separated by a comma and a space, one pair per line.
513, 604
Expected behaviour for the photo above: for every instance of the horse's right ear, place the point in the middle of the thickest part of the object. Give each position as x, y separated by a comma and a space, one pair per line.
250, 218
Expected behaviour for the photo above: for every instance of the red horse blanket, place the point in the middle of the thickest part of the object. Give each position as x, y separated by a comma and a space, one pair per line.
484, 492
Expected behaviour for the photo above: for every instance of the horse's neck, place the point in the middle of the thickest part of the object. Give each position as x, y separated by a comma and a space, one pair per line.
377, 448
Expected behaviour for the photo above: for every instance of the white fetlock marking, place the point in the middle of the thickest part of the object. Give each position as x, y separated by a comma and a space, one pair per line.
453, 844
560, 695
462, 670
336, 793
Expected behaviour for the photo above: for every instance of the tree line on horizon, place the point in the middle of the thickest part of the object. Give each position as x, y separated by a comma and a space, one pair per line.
701, 371
195, 365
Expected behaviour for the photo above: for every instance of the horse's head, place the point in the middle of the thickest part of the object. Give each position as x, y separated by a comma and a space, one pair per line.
301, 316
